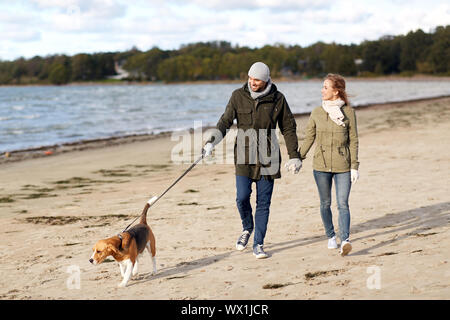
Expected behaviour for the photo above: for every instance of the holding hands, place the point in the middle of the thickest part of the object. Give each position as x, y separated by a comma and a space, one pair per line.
293, 165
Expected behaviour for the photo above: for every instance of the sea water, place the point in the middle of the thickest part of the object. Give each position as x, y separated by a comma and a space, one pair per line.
34, 116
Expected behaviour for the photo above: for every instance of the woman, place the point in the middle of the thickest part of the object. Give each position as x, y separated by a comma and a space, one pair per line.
333, 127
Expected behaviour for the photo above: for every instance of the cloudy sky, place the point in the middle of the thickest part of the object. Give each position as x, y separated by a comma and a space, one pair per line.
42, 27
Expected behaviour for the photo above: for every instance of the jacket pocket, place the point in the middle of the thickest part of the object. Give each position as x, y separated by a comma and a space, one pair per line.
244, 116
344, 154
319, 156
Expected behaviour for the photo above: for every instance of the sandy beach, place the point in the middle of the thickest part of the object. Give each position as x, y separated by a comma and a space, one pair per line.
54, 208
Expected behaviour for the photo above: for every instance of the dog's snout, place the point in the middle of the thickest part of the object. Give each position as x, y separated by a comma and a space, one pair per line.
91, 260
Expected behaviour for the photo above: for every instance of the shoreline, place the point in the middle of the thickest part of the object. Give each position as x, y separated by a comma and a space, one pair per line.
85, 144
418, 77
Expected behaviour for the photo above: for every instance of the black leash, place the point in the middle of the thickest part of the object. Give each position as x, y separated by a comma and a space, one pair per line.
152, 201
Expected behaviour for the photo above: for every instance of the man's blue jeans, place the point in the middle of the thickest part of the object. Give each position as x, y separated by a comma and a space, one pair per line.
264, 189
342, 185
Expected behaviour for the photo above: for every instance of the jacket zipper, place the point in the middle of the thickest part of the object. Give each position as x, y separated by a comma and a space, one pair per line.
331, 143
255, 105
323, 157
331, 149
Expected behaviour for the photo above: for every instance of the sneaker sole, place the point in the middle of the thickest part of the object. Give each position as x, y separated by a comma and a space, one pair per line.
240, 248
333, 247
260, 256
346, 249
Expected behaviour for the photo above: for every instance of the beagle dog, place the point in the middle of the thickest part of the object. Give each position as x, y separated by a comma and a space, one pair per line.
126, 247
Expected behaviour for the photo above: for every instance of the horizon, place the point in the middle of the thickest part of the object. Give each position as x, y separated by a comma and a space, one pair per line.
49, 27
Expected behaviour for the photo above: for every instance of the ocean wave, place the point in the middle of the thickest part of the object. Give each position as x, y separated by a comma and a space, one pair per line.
25, 117
30, 116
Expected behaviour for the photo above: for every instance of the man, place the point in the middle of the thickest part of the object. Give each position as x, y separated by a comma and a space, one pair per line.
258, 107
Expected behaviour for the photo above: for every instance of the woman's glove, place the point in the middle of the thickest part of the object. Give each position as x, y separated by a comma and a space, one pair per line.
354, 175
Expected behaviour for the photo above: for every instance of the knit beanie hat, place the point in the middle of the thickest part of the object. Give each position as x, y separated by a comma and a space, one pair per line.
259, 71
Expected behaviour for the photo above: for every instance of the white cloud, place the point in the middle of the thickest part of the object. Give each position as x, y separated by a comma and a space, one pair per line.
12, 27
18, 35
72, 26
234, 5
92, 9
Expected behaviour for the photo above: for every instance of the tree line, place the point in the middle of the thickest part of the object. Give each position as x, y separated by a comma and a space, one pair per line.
415, 52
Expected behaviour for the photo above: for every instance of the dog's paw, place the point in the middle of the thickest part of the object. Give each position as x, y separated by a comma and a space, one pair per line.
122, 285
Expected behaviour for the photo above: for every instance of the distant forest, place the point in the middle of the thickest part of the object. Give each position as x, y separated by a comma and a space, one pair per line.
417, 52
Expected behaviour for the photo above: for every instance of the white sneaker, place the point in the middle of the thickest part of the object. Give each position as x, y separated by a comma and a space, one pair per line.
332, 243
346, 247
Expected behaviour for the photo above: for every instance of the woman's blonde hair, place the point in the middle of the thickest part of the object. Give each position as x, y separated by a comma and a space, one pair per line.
338, 82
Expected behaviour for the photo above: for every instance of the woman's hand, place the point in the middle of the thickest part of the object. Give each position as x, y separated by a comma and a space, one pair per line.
354, 175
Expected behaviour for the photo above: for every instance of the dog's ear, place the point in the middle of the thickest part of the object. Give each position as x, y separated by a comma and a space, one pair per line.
112, 248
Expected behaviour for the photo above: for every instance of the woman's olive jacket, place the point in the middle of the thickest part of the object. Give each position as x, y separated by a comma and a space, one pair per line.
336, 146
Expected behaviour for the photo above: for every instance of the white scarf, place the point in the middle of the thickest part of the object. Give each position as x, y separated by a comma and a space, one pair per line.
333, 108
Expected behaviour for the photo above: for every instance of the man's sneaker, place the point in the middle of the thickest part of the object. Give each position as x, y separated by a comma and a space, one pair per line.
258, 252
241, 244
346, 247
332, 243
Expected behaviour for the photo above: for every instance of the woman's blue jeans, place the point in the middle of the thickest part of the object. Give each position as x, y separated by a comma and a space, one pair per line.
342, 185
264, 189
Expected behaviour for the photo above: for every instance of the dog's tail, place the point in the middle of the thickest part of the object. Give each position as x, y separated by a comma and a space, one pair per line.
148, 205
144, 214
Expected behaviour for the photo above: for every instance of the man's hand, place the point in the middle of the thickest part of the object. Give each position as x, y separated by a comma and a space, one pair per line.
207, 150
354, 175
293, 165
